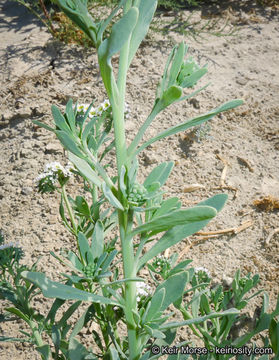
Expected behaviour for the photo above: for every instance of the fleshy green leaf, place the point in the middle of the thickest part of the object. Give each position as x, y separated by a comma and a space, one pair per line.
167, 206
120, 34
200, 319
191, 80
77, 11
110, 197
77, 351
274, 335
176, 64
45, 126
83, 245
113, 353
171, 95
70, 115
155, 305
53, 289
18, 313
179, 233
60, 120
190, 123
45, 351
146, 10
68, 142
177, 217
174, 288
159, 174
85, 170
97, 243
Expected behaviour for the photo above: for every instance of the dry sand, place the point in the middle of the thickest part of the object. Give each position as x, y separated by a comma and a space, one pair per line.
37, 71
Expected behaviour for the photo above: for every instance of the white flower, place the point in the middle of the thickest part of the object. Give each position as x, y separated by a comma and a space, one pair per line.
51, 172
80, 108
143, 290
99, 110
7, 246
127, 111
202, 269
105, 105
92, 112
86, 106
69, 168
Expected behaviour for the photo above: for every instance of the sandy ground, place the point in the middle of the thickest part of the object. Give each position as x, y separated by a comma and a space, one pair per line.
37, 71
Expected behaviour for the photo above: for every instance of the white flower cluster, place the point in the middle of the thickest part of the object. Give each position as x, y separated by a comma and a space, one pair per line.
52, 170
143, 290
82, 108
204, 270
8, 246
104, 106
161, 260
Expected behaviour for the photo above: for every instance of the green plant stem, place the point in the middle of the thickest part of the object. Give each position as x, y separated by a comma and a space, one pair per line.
141, 131
36, 333
125, 224
94, 163
69, 208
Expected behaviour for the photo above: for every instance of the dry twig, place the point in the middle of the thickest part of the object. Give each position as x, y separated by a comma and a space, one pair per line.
205, 235
225, 169
275, 231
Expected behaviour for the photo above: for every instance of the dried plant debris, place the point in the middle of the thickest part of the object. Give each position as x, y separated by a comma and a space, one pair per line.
267, 203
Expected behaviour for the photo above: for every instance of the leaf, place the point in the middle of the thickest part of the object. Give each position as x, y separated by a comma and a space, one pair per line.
68, 142
78, 13
176, 64
71, 115
18, 313
198, 320
53, 289
111, 198
82, 321
120, 34
56, 337
13, 339
60, 120
174, 288
67, 314
113, 353
274, 335
82, 206
177, 217
217, 201
179, 233
77, 351
167, 206
159, 174
190, 123
75, 260
45, 126
85, 169
146, 10
45, 351
171, 95
106, 22
54, 308
97, 243
155, 305
191, 80
83, 245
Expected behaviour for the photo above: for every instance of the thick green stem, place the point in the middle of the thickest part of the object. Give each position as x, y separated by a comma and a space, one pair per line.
125, 224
